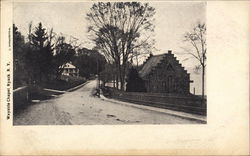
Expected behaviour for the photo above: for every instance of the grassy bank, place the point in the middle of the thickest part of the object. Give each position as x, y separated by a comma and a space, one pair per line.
63, 84
26, 96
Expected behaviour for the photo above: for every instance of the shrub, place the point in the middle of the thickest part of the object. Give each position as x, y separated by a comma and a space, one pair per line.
134, 82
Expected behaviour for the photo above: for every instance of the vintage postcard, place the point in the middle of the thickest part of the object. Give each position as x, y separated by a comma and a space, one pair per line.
124, 77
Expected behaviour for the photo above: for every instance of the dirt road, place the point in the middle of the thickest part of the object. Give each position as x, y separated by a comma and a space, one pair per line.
81, 108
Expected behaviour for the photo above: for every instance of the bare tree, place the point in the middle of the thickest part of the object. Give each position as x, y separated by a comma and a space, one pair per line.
197, 39
119, 30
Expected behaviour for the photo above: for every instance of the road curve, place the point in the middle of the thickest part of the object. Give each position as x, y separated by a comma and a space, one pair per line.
79, 107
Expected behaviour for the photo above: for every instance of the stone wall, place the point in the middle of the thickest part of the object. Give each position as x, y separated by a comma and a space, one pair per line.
20, 97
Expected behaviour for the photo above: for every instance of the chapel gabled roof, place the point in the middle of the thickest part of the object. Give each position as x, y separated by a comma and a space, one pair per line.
150, 64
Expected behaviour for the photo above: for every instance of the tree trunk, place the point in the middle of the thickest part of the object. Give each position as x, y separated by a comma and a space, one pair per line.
203, 83
113, 79
116, 81
120, 77
123, 74
116, 76
121, 82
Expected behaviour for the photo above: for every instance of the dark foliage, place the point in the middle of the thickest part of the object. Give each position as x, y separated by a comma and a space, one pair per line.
19, 49
134, 82
39, 55
64, 53
108, 74
89, 62
40, 60
65, 83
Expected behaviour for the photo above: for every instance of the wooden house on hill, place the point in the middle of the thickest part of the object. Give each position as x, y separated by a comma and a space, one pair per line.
70, 70
164, 74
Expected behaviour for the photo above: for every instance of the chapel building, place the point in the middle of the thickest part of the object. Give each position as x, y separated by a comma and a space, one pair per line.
164, 74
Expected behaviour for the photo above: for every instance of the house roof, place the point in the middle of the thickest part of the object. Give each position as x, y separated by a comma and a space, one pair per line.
150, 64
69, 66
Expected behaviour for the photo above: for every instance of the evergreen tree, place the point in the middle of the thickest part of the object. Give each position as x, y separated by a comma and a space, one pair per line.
41, 54
39, 37
134, 82
18, 58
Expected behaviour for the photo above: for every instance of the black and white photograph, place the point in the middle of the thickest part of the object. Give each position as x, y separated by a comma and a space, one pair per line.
109, 63
124, 77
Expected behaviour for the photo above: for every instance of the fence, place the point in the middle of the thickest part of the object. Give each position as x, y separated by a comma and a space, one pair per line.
189, 104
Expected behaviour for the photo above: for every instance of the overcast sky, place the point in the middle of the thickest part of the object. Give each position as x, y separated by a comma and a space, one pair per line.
172, 20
